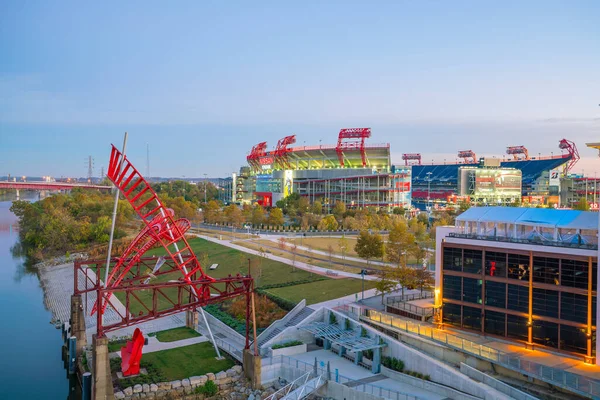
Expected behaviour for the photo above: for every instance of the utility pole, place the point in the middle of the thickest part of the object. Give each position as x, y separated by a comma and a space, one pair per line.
90, 173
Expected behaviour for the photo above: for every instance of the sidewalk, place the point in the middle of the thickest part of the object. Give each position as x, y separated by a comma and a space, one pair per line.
298, 264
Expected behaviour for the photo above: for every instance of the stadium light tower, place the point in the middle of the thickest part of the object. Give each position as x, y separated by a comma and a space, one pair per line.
428, 192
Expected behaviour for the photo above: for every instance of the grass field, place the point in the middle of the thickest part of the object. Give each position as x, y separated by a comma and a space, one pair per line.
233, 261
323, 243
175, 334
317, 292
183, 362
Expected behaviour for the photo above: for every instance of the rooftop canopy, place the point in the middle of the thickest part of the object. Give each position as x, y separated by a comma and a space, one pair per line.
351, 340
548, 218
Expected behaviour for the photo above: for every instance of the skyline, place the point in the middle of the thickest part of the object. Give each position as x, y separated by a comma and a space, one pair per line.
203, 83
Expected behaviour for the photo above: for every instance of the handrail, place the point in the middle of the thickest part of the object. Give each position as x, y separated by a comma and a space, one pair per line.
289, 387
585, 246
567, 380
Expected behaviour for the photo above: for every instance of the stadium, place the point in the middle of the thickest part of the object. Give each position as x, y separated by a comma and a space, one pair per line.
362, 174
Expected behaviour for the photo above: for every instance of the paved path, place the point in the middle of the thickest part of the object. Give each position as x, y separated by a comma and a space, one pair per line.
298, 264
155, 345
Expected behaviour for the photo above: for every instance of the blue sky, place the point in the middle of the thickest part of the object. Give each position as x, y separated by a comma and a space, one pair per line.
201, 82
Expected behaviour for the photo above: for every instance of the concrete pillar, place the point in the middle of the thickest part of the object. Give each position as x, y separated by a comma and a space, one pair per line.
102, 388
326, 344
358, 358
78, 323
342, 351
376, 367
191, 319
252, 368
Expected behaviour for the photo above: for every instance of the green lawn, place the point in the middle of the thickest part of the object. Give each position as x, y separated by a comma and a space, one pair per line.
116, 346
233, 261
183, 362
317, 292
175, 334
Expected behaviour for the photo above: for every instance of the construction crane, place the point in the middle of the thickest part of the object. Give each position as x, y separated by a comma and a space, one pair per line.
282, 150
468, 156
515, 151
573, 154
412, 158
352, 139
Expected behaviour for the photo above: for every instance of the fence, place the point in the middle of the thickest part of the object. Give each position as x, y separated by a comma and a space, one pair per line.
338, 378
567, 380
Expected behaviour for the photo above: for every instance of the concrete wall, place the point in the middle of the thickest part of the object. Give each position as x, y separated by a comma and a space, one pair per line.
294, 333
495, 383
337, 391
280, 324
426, 385
288, 351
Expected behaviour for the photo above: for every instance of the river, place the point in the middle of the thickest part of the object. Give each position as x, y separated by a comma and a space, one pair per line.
31, 365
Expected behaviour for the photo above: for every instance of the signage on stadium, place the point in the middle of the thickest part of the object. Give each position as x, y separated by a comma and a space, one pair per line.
268, 160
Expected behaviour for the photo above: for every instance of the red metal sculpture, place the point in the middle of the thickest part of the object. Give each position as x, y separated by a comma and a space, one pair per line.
131, 354
352, 139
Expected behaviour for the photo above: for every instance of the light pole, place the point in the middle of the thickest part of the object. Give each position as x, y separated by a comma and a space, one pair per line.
428, 193
205, 188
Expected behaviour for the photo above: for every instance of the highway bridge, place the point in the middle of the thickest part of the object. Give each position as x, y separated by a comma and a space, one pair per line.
50, 186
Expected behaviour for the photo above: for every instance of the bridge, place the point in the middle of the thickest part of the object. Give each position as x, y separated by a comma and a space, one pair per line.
50, 186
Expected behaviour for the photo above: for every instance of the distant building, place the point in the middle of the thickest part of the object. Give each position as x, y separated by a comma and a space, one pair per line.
525, 274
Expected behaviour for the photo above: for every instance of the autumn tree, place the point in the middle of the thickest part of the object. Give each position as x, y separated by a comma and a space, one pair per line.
399, 243
317, 208
384, 284
330, 253
339, 209
328, 224
212, 212
282, 244
369, 246
258, 215
303, 205
423, 279
234, 215
276, 217
343, 246
582, 205
405, 276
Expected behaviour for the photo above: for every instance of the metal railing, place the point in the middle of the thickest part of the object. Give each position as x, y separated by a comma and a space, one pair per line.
284, 391
500, 386
412, 309
567, 380
551, 243
338, 378
410, 297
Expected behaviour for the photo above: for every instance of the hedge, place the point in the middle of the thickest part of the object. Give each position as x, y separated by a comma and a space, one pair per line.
287, 344
284, 304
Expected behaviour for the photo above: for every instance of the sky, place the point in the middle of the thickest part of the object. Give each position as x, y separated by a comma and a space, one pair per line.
199, 83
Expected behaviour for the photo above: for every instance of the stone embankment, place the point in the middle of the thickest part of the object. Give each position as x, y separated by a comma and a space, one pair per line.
231, 383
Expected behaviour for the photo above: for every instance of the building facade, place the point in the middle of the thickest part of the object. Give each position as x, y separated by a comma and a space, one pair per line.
524, 274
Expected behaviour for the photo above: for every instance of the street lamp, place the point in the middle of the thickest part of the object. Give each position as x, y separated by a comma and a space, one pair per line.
205, 188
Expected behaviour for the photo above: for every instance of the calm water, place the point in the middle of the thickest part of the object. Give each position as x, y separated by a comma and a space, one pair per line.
31, 366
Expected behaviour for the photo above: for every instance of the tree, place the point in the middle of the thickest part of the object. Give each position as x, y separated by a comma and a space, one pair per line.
303, 205
424, 279
463, 206
399, 243
234, 215
330, 253
398, 210
384, 284
343, 246
350, 223
582, 204
258, 215
369, 246
328, 224
317, 208
204, 260
294, 250
405, 276
339, 209
276, 217
212, 214
282, 243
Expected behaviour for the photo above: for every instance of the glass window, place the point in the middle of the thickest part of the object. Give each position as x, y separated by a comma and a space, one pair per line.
518, 298
452, 287
495, 264
451, 313
516, 327
452, 259
545, 333
472, 261
495, 294
573, 339
574, 274
472, 290
518, 267
545, 270
472, 318
545, 303
573, 307
495, 323
594, 310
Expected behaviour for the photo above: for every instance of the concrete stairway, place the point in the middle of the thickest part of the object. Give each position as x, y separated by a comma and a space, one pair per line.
301, 316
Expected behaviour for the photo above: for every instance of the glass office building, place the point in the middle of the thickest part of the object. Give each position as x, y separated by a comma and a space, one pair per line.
525, 274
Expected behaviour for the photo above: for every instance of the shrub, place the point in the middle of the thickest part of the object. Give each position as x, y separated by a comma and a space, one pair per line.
347, 324
363, 332
427, 377
282, 303
287, 344
209, 389
332, 319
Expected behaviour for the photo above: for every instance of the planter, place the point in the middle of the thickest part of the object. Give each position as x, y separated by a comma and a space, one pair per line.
288, 351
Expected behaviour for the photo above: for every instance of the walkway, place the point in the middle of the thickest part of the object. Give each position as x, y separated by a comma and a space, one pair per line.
352, 372
155, 345
298, 264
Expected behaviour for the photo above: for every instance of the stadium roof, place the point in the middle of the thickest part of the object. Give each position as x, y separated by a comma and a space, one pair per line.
551, 218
